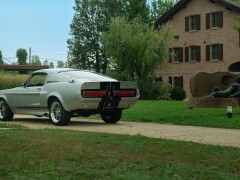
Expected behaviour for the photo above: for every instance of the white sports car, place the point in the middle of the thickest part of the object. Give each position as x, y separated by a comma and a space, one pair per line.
63, 93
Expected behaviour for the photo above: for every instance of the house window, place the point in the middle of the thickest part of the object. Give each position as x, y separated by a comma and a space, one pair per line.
176, 81
214, 20
192, 23
214, 52
192, 53
159, 79
176, 55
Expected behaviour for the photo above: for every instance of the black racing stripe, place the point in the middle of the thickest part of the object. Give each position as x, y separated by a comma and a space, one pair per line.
114, 101
104, 85
115, 85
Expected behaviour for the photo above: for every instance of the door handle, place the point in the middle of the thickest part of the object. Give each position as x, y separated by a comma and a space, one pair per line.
38, 88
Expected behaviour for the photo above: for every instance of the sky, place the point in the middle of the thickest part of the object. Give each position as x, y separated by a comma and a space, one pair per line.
43, 25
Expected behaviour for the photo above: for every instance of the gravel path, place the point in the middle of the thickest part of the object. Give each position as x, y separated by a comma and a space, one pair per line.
216, 136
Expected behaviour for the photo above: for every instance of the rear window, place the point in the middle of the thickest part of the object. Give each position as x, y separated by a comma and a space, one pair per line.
86, 75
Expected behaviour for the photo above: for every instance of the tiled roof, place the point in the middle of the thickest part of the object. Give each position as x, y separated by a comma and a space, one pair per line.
229, 4
234, 2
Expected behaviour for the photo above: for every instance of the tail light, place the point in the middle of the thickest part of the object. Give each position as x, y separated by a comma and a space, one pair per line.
125, 93
94, 94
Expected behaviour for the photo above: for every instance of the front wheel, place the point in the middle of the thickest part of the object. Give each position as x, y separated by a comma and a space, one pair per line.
58, 115
5, 112
111, 116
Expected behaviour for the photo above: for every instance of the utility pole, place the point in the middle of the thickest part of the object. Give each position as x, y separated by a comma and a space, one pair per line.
30, 51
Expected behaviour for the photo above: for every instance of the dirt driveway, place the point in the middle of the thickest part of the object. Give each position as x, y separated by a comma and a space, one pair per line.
216, 136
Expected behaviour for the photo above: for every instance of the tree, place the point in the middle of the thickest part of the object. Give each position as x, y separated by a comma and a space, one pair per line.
137, 8
159, 7
22, 56
36, 60
51, 65
90, 20
60, 64
45, 62
1, 58
136, 49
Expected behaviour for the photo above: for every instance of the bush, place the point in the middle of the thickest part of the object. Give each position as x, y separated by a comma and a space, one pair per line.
165, 90
153, 90
178, 93
149, 89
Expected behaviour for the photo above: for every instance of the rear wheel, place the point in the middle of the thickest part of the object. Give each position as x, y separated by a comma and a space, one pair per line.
111, 116
58, 115
5, 112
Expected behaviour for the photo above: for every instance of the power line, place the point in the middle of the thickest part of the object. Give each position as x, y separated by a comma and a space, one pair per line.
7, 59
50, 59
10, 58
50, 53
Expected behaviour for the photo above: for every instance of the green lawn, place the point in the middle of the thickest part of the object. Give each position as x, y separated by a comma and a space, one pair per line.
177, 112
62, 154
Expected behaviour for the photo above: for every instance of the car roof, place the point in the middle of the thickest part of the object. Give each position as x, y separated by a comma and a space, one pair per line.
58, 70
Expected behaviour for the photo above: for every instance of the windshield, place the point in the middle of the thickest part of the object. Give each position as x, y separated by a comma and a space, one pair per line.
86, 75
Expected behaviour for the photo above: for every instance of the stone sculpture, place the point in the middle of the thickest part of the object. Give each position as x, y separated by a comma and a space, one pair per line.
219, 89
232, 91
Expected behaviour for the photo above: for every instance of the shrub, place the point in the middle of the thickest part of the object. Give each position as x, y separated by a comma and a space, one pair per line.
149, 89
178, 93
165, 90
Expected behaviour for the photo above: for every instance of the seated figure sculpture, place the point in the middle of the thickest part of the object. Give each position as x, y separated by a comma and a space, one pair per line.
232, 91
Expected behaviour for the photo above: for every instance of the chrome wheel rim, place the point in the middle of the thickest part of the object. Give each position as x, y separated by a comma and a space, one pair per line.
56, 112
2, 109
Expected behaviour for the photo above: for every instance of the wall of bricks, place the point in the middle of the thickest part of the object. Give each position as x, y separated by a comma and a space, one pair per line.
227, 36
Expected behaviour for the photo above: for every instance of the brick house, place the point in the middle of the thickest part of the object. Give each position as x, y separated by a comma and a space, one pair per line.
205, 40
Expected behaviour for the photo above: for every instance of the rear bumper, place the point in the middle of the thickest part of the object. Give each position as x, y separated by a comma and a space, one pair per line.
96, 104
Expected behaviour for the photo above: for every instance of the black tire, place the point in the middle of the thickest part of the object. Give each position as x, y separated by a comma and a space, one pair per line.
58, 115
111, 116
5, 112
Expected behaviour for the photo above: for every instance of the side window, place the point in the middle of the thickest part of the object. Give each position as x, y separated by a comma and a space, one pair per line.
37, 80
214, 20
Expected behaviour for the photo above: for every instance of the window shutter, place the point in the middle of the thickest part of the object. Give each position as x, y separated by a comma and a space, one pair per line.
180, 55
186, 54
220, 52
160, 79
208, 21
170, 80
181, 81
198, 53
175, 81
220, 19
207, 52
170, 55
198, 25
187, 23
